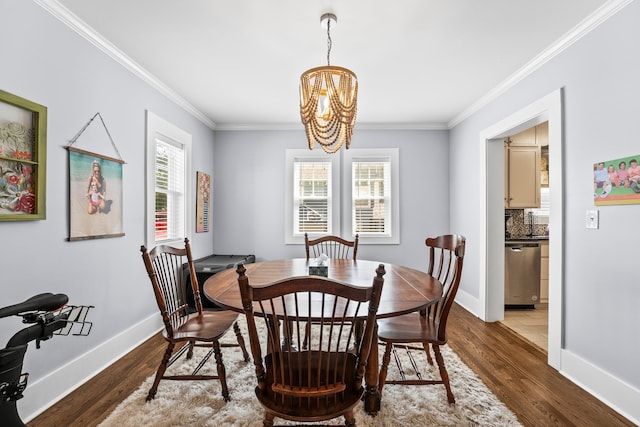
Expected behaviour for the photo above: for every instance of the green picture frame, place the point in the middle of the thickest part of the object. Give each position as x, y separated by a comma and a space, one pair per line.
23, 155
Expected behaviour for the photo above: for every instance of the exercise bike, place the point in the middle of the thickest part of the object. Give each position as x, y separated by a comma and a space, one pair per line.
48, 315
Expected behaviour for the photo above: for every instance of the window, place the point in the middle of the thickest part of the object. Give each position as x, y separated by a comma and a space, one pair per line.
540, 215
311, 194
370, 211
168, 163
365, 201
311, 197
372, 181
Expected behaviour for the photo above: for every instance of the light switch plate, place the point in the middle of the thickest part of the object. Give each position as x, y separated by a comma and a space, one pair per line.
592, 218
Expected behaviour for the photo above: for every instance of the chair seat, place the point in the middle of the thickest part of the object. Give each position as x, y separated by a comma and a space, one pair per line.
309, 408
208, 327
408, 328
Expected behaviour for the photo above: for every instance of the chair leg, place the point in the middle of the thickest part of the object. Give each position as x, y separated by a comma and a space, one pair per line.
443, 373
268, 419
386, 358
190, 352
222, 372
161, 370
350, 419
425, 345
359, 330
240, 339
307, 335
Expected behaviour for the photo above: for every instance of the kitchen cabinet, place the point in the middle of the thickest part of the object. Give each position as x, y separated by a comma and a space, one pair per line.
544, 272
522, 177
534, 136
542, 134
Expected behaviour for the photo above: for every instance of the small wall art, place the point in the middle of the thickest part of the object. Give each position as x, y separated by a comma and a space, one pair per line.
617, 182
23, 153
95, 196
203, 202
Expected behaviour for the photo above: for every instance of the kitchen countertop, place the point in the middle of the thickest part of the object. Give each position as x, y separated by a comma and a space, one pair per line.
525, 238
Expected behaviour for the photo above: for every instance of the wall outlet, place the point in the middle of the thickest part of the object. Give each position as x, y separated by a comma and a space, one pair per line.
592, 219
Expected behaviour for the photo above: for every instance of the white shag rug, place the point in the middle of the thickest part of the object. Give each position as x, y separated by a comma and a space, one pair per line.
200, 403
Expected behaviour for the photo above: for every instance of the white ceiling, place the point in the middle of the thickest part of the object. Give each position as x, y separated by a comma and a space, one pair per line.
420, 63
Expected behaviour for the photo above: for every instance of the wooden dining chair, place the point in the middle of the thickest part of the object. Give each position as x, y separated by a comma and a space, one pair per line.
181, 324
326, 380
332, 246
446, 255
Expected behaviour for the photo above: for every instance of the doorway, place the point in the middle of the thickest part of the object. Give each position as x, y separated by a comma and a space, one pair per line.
492, 238
527, 246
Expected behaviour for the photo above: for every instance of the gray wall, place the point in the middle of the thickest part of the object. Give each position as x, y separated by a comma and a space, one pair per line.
248, 199
46, 62
52, 65
599, 75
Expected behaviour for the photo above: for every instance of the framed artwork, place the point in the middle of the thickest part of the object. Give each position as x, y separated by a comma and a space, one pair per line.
95, 196
617, 182
23, 154
202, 202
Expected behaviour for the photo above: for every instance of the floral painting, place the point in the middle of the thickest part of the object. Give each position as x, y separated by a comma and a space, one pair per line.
17, 188
22, 154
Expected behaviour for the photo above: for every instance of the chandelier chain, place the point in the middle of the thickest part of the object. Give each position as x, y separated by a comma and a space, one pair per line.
328, 40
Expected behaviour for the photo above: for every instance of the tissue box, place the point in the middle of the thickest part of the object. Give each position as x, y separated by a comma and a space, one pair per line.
319, 270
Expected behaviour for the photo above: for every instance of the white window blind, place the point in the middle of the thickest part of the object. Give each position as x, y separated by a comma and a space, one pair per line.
312, 197
169, 191
371, 194
168, 200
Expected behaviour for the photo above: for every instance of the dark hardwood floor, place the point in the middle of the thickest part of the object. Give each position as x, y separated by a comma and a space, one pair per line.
514, 369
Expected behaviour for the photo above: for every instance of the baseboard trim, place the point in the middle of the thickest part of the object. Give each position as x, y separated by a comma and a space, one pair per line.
468, 302
616, 394
613, 392
42, 394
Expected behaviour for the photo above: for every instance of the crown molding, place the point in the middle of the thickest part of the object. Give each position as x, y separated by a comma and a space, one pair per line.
298, 126
586, 26
72, 21
590, 23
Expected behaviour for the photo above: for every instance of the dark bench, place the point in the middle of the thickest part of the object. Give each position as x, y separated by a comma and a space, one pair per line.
207, 267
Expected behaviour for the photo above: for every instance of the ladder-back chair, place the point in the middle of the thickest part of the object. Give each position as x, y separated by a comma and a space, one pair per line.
446, 255
326, 380
181, 325
334, 247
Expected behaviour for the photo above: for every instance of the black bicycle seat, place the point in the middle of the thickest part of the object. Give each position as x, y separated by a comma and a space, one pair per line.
40, 302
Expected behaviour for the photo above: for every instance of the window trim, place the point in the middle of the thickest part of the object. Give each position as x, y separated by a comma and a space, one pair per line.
372, 154
160, 128
291, 156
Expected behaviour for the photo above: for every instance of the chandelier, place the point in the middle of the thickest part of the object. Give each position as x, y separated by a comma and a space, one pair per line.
328, 101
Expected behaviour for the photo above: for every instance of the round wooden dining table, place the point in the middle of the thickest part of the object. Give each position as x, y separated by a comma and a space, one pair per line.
405, 290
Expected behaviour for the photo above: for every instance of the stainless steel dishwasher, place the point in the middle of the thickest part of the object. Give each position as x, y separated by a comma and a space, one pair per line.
521, 274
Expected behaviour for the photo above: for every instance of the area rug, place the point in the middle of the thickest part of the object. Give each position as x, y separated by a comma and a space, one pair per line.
200, 403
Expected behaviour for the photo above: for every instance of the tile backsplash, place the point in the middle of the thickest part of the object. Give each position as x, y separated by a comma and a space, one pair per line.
518, 227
